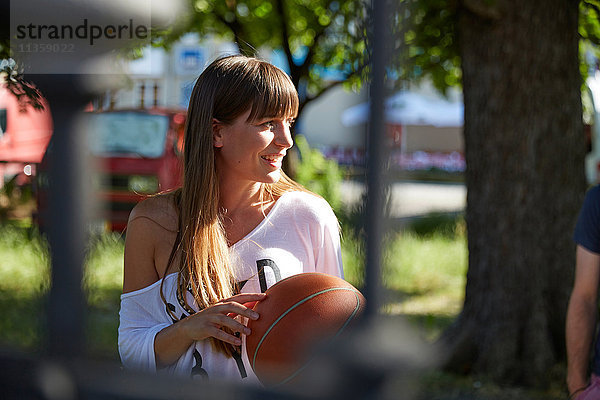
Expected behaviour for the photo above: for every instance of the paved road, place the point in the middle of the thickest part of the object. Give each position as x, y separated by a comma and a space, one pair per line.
411, 199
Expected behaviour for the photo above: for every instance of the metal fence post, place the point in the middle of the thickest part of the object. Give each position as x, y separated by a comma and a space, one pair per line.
376, 159
65, 216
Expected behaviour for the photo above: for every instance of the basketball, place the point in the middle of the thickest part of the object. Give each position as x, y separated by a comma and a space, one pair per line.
299, 313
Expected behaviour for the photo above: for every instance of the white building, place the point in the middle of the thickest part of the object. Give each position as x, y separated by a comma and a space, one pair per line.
167, 78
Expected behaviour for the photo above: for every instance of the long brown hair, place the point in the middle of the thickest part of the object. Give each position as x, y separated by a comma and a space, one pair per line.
226, 89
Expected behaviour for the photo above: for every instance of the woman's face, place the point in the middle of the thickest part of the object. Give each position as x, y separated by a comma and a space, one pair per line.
251, 151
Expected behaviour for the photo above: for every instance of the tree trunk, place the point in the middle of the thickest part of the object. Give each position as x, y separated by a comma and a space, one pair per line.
524, 146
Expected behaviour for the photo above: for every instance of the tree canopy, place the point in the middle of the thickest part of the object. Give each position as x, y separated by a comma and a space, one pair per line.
325, 42
430, 41
322, 41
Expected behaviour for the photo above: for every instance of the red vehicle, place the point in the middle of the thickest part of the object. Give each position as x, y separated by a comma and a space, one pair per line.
139, 152
136, 153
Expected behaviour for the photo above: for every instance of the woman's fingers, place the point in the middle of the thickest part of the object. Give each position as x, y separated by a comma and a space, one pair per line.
243, 304
246, 297
225, 321
209, 321
224, 336
232, 309
250, 304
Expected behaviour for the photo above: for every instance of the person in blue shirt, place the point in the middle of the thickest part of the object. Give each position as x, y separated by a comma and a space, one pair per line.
583, 383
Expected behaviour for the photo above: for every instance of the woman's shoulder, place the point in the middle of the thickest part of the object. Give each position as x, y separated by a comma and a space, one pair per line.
306, 204
159, 210
303, 198
152, 223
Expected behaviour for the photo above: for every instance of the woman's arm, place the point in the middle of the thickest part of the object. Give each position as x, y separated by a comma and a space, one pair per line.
139, 319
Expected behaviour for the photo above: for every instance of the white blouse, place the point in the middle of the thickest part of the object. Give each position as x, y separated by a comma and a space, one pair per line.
299, 234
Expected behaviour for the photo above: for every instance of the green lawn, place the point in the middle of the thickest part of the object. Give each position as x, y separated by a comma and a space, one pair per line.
24, 282
424, 273
24, 285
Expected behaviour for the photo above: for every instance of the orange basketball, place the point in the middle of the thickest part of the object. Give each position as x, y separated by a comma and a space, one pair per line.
298, 313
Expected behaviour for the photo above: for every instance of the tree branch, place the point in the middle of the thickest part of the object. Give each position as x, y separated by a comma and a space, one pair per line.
332, 85
237, 29
285, 42
324, 90
311, 51
593, 39
482, 10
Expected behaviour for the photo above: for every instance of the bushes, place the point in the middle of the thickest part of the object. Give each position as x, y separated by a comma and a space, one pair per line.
436, 224
319, 174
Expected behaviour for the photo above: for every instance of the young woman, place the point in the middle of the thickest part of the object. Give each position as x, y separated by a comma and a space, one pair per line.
195, 257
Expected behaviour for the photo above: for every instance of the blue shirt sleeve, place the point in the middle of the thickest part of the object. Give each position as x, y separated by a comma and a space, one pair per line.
587, 230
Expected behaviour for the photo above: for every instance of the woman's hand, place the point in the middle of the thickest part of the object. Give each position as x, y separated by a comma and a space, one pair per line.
174, 340
209, 321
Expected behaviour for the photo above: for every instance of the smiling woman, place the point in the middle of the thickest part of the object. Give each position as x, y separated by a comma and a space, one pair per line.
196, 256
251, 152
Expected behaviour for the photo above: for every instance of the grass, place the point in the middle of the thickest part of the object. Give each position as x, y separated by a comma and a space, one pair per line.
103, 282
425, 278
25, 282
424, 271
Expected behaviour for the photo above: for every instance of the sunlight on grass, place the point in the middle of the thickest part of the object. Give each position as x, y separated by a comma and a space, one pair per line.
421, 274
424, 273
24, 267
353, 259
430, 271
103, 283
25, 282
104, 266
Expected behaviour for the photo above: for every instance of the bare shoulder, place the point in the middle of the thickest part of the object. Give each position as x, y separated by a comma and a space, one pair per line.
150, 223
159, 210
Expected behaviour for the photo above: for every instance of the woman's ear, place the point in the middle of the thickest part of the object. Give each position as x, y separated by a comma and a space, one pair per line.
217, 133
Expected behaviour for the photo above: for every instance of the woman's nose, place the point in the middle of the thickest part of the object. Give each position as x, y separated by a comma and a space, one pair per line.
283, 135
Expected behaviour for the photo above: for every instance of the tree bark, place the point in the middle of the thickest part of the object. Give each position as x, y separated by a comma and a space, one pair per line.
524, 146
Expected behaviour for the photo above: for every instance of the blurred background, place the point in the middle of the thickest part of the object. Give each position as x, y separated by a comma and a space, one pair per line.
490, 135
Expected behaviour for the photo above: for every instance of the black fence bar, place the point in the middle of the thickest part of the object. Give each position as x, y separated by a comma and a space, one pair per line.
375, 160
65, 216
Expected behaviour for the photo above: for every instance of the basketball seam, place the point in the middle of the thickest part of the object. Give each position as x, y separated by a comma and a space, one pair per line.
262, 339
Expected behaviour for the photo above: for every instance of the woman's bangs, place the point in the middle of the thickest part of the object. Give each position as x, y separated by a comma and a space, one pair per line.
277, 98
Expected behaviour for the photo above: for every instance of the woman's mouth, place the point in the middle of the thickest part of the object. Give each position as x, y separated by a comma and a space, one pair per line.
273, 159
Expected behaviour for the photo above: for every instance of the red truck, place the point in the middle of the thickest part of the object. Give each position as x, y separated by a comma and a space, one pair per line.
135, 153
138, 152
